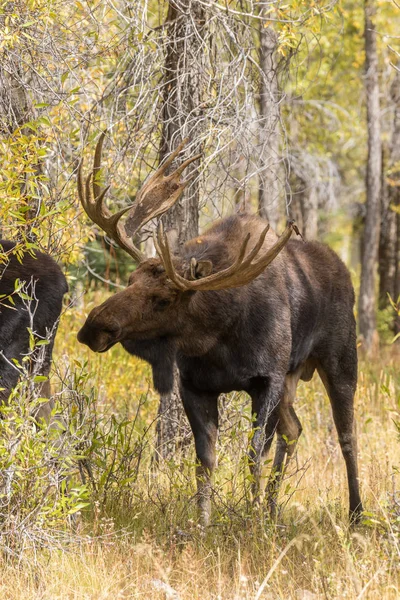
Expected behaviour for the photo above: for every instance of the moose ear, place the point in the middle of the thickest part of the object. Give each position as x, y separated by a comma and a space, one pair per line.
200, 268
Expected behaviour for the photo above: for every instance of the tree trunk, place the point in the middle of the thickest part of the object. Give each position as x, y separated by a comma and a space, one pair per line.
269, 179
367, 316
390, 219
295, 191
396, 324
182, 105
14, 103
239, 188
387, 239
303, 202
394, 194
181, 119
310, 214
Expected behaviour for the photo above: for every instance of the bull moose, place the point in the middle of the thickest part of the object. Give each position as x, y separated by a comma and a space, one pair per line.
231, 318
37, 309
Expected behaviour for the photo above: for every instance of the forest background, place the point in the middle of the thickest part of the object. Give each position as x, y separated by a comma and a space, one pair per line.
295, 110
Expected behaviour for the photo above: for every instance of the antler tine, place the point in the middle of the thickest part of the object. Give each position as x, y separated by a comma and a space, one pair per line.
238, 262
183, 166
93, 207
159, 193
242, 252
242, 271
100, 211
273, 252
257, 247
81, 184
170, 159
97, 164
164, 252
153, 180
167, 163
92, 201
99, 200
245, 271
156, 196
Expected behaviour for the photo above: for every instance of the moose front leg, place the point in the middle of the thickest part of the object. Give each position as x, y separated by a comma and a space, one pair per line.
202, 411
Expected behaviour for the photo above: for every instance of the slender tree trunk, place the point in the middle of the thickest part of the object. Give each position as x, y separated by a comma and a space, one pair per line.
239, 190
387, 239
181, 118
396, 325
303, 206
14, 104
367, 300
310, 213
269, 179
294, 198
173, 430
389, 246
394, 194
182, 104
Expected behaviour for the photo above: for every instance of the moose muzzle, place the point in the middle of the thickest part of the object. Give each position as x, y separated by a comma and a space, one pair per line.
99, 339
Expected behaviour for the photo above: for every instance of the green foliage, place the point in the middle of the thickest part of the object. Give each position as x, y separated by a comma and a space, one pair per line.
385, 318
110, 262
39, 489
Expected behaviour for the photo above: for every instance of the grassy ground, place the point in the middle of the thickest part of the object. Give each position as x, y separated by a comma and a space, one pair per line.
140, 538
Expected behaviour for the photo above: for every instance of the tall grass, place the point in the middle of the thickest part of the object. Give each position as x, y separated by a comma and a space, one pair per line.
139, 538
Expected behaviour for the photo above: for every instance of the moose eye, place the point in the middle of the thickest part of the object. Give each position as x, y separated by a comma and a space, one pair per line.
160, 303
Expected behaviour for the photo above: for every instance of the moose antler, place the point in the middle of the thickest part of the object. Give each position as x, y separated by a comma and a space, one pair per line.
156, 196
241, 272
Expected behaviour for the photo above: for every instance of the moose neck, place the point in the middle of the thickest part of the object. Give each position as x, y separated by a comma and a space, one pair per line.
209, 316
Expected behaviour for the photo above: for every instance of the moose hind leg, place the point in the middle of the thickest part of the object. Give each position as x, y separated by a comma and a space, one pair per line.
288, 432
340, 384
202, 411
266, 395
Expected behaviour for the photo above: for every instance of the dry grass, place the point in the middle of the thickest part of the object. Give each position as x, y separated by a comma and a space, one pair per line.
151, 547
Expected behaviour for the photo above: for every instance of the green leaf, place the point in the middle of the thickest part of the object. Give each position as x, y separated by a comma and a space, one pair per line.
78, 507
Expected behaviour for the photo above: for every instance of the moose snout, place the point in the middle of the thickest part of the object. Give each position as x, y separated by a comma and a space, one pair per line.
98, 337
85, 336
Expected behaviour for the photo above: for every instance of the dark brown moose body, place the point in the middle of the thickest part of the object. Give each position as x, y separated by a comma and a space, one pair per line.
234, 318
45, 286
